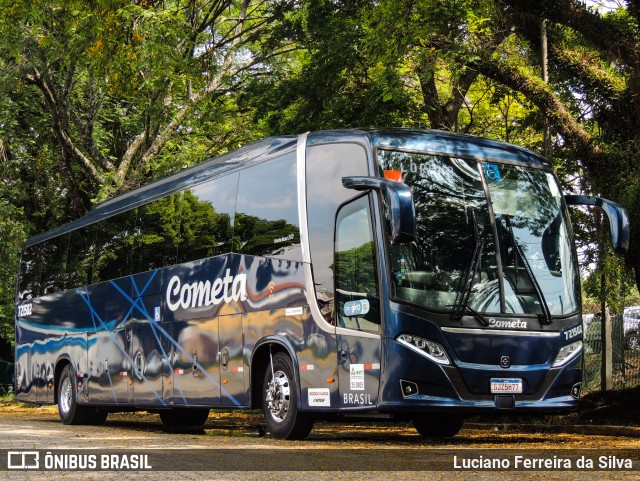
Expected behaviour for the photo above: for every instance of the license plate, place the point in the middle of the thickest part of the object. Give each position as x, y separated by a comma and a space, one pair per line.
499, 386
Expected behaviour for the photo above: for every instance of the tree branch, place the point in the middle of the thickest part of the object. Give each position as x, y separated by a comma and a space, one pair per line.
538, 93
60, 130
607, 35
225, 70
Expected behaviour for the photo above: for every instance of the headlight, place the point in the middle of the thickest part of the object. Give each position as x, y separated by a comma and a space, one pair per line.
430, 349
567, 353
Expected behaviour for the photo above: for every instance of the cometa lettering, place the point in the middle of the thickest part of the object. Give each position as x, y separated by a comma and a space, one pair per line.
197, 294
517, 324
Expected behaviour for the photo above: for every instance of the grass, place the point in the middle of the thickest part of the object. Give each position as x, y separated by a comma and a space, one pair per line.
7, 398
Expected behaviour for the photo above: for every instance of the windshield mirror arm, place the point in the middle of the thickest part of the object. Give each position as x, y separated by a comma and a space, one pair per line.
402, 211
617, 215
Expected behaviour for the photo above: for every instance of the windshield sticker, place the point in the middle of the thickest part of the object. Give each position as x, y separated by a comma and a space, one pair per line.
492, 172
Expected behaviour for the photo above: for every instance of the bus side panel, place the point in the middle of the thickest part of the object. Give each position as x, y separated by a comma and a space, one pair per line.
54, 326
277, 295
25, 339
150, 342
193, 310
147, 350
194, 362
40, 370
220, 308
23, 380
110, 308
231, 361
318, 367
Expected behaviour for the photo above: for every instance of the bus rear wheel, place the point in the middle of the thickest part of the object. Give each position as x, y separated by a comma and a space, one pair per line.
280, 401
438, 425
70, 412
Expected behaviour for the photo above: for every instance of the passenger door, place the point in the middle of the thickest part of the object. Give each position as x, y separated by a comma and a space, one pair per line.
358, 307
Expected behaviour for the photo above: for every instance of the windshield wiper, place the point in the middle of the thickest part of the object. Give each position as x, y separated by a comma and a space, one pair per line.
545, 317
461, 307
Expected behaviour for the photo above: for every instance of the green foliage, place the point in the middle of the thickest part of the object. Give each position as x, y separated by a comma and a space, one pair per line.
12, 235
99, 97
612, 281
336, 84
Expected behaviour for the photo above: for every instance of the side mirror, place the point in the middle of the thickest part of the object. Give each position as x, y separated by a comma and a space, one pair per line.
402, 211
617, 215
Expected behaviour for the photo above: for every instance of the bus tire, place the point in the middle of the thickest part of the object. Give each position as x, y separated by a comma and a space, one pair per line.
68, 408
97, 416
438, 425
187, 417
280, 401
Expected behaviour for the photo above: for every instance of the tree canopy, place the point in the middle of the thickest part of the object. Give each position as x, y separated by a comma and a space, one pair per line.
98, 97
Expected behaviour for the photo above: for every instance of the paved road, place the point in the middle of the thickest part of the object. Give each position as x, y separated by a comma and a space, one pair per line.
234, 445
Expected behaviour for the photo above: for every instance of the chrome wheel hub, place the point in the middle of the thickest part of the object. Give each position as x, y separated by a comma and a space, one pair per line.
66, 392
278, 396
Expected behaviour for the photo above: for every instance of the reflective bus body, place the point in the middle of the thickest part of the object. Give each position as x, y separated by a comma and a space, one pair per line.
400, 274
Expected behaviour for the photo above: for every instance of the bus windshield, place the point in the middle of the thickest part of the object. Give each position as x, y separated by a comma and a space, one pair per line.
491, 238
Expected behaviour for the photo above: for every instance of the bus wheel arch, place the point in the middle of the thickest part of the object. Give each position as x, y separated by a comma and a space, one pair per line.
67, 398
276, 390
91, 415
261, 357
57, 375
281, 400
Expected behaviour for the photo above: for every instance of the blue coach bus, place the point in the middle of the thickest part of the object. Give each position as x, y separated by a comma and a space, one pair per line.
398, 274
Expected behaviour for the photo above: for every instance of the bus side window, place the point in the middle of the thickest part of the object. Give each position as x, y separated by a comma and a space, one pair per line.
266, 221
53, 257
114, 244
206, 223
79, 270
157, 233
30, 273
355, 268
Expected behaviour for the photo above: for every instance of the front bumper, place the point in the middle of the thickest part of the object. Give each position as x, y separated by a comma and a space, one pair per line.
465, 387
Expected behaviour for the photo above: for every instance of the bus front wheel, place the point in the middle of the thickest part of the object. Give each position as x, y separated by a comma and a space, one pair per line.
280, 401
438, 426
